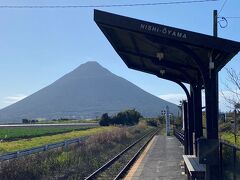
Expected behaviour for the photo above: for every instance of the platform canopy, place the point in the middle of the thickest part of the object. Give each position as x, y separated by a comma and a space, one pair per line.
167, 52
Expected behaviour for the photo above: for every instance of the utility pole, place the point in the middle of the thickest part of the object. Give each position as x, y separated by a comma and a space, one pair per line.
212, 170
215, 27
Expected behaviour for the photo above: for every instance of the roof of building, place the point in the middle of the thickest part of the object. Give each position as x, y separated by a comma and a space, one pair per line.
167, 52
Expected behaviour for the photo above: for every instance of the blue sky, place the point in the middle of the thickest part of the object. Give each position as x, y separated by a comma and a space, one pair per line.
38, 46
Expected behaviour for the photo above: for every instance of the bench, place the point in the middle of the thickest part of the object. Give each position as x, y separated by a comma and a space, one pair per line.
196, 170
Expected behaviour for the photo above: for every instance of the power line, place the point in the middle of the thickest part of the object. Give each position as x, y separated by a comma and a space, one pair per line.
223, 22
103, 5
232, 17
224, 19
228, 17
222, 7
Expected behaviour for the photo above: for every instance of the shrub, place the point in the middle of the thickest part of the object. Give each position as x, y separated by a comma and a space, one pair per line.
161, 119
128, 117
104, 121
153, 122
74, 162
25, 121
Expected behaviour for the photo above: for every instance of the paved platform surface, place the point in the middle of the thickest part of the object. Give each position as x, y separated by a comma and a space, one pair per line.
161, 160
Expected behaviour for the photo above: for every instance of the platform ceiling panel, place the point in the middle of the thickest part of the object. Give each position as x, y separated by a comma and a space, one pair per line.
151, 47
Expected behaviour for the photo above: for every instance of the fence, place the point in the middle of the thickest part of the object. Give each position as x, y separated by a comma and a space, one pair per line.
179, 134
46, 147
229, 158
229, 161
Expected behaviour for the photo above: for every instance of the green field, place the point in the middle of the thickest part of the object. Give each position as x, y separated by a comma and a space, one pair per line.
76, 162
15, 133
229, 137
40, 141
67, 121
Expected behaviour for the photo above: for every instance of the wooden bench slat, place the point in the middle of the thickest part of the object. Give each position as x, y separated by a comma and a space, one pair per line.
193, 165
188, 163
196, 165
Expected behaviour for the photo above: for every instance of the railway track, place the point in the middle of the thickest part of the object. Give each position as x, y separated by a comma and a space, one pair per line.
122, 162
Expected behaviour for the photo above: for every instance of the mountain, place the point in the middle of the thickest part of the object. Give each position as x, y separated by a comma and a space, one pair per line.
88, 91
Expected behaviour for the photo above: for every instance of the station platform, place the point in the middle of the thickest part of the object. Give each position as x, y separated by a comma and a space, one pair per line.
161, 160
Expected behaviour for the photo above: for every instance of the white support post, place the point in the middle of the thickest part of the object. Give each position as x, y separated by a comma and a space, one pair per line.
167, 121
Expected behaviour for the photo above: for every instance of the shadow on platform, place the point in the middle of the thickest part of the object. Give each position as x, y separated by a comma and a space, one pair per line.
161, 160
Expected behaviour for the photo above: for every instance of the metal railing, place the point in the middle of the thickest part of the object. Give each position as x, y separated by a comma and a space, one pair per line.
179, 134
229, 161
46, 147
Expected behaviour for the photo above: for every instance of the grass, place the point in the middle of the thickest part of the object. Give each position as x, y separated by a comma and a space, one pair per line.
229, 137
228, 156
118, 165
226, 134
40, 141
67, 121
75, 162
15, 133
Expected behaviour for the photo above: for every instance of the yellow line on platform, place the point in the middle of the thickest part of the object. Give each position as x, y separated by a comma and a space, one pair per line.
138, 162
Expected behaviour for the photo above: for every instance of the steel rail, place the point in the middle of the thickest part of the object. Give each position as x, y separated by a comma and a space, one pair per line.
115, 158
129, 164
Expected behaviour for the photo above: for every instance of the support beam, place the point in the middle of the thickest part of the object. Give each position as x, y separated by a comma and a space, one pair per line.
211, 94
185, 119
197, 113
187, 116
190, 124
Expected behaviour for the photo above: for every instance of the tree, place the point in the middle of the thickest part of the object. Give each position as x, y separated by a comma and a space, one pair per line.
232, 95
128, 117
104, 121
25, 121
153, 122
233, 98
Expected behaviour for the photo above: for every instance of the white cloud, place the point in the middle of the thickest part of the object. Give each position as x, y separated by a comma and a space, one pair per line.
223, 104
173, 98
12, 99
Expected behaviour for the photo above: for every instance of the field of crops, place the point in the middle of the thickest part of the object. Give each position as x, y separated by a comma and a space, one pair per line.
15, 133
40, 141
74, 162
68, 121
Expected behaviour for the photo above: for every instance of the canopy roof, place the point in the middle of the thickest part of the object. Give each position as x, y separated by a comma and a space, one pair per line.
164, 51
